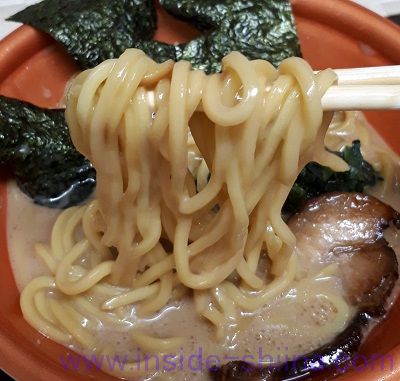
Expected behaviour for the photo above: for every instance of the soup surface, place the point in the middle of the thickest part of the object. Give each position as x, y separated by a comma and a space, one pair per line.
301, 319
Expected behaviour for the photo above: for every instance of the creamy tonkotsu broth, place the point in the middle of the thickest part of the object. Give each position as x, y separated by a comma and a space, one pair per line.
298, 321
309, 313
349, 126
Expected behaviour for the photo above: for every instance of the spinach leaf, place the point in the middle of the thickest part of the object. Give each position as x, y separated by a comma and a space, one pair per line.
316, 179
35, 144
93, 30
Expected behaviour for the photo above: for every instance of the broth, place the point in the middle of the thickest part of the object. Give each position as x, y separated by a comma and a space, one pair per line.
295, 323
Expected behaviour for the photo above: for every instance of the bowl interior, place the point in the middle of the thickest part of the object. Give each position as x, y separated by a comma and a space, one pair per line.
333, 33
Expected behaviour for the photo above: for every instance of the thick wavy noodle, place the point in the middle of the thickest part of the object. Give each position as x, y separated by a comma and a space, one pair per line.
163, 225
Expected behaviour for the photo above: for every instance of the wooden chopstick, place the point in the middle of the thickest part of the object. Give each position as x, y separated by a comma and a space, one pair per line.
379, 75
365, 88
362, 97
369, 88
349, 97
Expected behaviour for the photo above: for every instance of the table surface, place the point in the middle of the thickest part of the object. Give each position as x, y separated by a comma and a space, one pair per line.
387, 8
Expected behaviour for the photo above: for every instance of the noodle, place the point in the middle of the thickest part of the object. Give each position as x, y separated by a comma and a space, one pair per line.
259, 127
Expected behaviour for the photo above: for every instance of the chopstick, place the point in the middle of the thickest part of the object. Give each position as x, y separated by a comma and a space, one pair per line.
366, 88
369, 88
379, 75
363, 97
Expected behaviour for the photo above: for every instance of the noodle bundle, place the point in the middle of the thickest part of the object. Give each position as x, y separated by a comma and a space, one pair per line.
158, 229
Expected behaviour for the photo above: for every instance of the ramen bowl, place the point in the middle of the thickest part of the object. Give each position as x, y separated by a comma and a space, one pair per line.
333, 33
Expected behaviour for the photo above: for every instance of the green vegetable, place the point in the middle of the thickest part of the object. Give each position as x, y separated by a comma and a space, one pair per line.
316, 179
95, 30
35, 144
